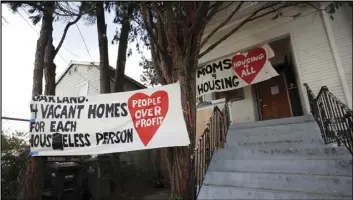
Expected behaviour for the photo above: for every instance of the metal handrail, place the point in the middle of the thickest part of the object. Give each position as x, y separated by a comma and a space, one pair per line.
333, 117
214, 134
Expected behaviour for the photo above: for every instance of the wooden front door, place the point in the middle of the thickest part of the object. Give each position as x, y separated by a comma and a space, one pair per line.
273, 98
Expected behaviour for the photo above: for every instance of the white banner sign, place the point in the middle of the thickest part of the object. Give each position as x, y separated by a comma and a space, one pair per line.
107, 123
235, 72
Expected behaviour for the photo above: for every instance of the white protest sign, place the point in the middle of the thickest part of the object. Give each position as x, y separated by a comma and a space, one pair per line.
236, 72
108, 123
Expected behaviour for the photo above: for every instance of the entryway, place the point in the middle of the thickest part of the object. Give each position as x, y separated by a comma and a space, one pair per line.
273, 98
279, 97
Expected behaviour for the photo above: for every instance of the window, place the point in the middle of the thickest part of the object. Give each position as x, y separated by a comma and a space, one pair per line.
82, 89
231, 95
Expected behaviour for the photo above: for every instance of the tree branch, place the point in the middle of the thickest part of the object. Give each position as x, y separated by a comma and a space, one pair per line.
200, 20
157, 67
148, 25
213, 11
158, 10
156, 40
227, 6
212, 6
272, 11
64, 34
246, 20
163, 78
169, 26
4, 19
221, 24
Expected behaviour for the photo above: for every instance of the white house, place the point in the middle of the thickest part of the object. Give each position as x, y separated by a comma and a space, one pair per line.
310, 49
82, 79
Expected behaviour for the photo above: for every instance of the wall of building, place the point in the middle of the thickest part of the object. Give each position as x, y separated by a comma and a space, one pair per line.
243, 110
342, 31
77, 75
312, 54
80, 74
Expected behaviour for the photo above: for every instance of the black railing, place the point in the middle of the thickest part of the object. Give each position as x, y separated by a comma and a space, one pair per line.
213, 137
333, 117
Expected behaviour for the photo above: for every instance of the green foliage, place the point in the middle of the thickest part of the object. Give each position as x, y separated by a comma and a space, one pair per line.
14, 156
89, 18
137, 35
63, 11
34, 11
148, 76
137, 32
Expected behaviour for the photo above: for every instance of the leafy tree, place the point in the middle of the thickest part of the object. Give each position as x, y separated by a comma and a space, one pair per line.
47, 12
14, 156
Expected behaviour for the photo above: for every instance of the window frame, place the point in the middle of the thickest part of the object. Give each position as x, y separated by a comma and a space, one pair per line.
80, 85
240, 95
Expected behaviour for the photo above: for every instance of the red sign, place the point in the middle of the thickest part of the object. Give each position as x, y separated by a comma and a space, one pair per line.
147, 113
248, 67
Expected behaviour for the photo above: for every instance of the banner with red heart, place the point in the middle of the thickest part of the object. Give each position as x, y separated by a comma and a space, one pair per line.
248, 67
147, 113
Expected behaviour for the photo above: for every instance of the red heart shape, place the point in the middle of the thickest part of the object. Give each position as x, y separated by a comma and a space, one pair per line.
148, 112
255, 60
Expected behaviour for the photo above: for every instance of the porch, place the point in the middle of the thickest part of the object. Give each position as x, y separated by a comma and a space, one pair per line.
304, 157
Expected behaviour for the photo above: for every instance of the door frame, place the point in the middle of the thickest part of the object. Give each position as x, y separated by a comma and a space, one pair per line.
287, 93
259, 112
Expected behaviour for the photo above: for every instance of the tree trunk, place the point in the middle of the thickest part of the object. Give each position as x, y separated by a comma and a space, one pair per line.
103, 49
178, 167
49, 66
119, 87
105, 81
33, 179
178, 158
42, 41
123, 44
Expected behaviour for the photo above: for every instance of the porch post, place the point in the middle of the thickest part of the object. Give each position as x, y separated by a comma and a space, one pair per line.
336, 57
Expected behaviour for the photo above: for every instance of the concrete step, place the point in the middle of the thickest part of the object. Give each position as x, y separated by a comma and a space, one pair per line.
289, 120
281, 144
304, 137
329, 185
309, 167
309, 128
321, 153
225, 192
278, 159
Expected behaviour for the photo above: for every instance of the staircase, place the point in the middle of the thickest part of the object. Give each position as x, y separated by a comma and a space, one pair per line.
278, 159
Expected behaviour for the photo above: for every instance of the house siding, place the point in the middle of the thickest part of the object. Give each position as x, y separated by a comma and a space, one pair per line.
68, 84
313, 58
342, 31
